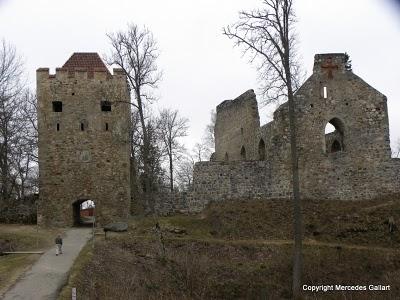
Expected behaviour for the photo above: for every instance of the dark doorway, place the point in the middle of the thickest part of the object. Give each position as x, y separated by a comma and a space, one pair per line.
261, 150
243, 153
83, 212
226, 156
334, 136
336, 147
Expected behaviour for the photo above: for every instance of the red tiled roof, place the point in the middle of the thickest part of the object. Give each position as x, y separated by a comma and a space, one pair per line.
88, 60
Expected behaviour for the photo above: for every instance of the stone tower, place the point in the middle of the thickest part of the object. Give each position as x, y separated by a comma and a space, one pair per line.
84, 153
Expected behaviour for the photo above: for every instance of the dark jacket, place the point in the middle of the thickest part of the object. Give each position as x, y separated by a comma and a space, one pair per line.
58, 241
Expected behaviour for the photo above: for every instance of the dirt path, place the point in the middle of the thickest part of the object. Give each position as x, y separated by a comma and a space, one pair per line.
306, 242
50, 272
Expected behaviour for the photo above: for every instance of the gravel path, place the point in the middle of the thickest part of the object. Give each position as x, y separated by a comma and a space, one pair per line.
50, 273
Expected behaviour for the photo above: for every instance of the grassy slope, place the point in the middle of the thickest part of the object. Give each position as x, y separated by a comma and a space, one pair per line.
83, 259
21, 238
243, 250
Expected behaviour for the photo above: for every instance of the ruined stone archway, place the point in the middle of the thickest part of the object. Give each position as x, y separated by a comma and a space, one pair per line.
334, 136
83, 212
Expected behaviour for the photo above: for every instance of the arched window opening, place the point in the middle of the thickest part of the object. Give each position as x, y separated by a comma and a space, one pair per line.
243, 153
226, 156
334, 136
261, 150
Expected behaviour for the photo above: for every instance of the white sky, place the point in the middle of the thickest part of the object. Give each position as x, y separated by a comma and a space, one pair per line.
200, 66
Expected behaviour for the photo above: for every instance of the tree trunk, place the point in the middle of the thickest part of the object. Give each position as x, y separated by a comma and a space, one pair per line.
171, 173
297, 220
145, 151
4, 167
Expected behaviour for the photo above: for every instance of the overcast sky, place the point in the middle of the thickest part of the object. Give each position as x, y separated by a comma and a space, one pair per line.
200, 66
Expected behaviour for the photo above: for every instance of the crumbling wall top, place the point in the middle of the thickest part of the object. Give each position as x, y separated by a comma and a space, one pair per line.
248, 95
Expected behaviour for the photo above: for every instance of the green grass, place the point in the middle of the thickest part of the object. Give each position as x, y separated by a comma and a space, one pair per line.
83, 259
243, 250
22, 238
11, 267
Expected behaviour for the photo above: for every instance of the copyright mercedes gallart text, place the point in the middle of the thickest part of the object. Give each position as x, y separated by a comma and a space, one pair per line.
343, 287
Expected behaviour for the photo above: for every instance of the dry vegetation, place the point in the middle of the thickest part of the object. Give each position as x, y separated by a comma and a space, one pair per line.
243, 250
20, 238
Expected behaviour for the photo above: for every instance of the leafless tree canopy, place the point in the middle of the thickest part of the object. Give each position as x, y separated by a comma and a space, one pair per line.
201, 152
18, 129
136, 52
209, 137
396, 150
184, 172
172, 128
266, 35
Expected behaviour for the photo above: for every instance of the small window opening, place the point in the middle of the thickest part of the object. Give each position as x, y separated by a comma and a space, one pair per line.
57, 106
58, 126
105, 105
73, 94
82, 127
226, 156
261, 150
334, 136
325, 92
311, 105
106, 126
243, 153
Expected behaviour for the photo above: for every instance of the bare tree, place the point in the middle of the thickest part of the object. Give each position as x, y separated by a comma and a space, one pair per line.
267, 35
172, 128
201, 151
209, 137
155, 177
136, 52
11, 71
184, 172
396, 149
27, 166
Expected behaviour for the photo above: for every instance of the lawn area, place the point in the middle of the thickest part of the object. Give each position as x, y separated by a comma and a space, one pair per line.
21, 238
243, 250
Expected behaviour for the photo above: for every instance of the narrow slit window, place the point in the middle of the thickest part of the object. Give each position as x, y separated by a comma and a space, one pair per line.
57, 106
58, 126
82, 127
106, 126
105, 105
325, 92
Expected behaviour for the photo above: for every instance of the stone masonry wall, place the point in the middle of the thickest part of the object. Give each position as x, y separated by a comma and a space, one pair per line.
236, 124
360, 169
167, 203
217, 181
79, 163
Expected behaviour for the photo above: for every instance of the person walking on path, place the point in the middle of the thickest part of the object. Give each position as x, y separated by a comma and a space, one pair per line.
58, 245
